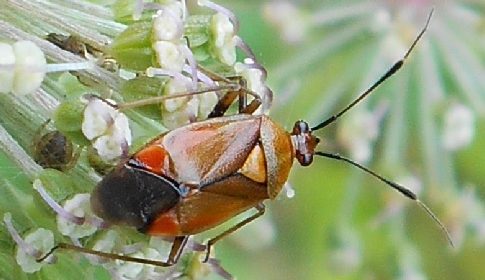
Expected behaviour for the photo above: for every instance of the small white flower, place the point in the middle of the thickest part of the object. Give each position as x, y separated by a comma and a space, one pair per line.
97, 117
78, 206
223, 42
43, 241
112, 145
107, 243
30, 67
168, 22
22, 67
35, 245
150, 270
173, 87
459, 127
169, 55
109, 147
108, 127
165, 28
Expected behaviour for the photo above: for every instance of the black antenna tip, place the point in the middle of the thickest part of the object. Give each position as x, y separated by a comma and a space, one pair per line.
406, 192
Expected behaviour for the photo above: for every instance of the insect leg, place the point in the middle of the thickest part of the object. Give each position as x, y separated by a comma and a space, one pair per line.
225, 102
261, 209
177, 247
244, 107
175, 252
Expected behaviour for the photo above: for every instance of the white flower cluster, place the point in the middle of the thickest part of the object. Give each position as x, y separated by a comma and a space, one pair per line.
172, 54
177, 61
108, 129
168, 28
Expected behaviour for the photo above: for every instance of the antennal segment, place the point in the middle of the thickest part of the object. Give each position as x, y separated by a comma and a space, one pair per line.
384, 77
404, 191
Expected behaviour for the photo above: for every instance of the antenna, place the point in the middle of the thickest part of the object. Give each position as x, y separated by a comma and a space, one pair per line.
384, 77
403, 190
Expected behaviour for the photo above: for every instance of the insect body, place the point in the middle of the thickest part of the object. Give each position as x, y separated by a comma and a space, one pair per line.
200, 175
211, 171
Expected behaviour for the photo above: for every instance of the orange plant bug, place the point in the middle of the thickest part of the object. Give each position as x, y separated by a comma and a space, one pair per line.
198, 176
